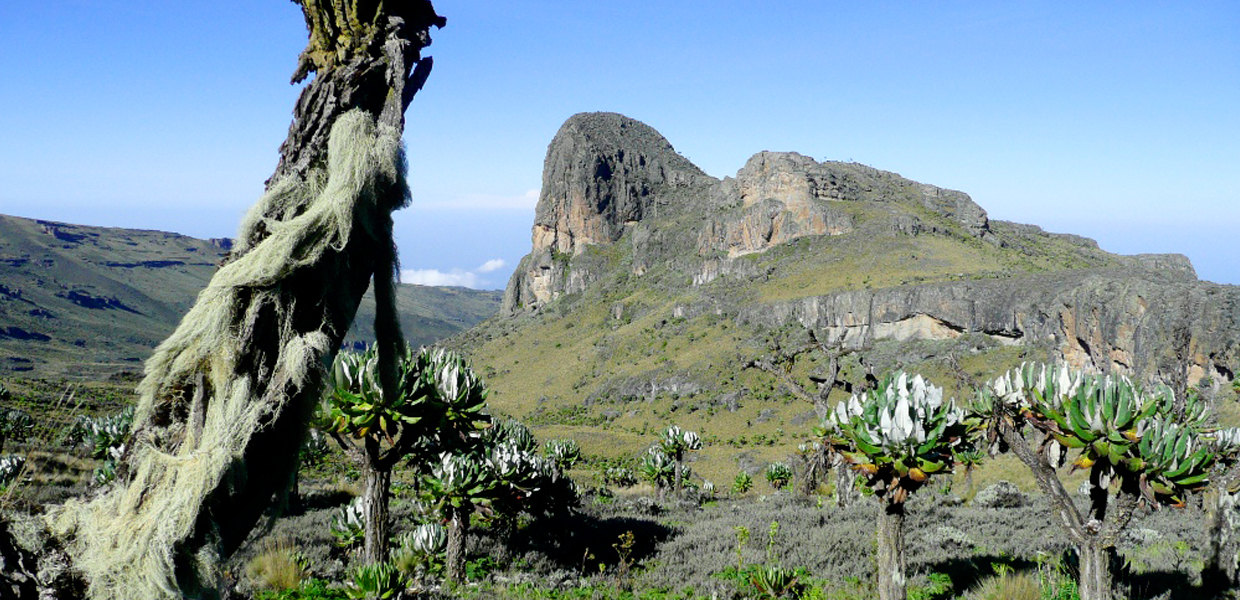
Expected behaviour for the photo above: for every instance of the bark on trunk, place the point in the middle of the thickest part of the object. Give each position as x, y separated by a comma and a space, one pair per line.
1220, 570
458, 519
678, 479
891, 563
375, 502
1095, 583
846, 493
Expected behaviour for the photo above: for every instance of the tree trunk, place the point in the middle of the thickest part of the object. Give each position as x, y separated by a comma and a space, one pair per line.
678, 478
891, 563
375, 503
224, 406
1220, 569
458, 520
1095, 582
845, 484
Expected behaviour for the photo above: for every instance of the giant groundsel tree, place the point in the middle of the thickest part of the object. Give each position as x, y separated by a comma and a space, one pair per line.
437, 403
1138, 445
224, 403
897, 436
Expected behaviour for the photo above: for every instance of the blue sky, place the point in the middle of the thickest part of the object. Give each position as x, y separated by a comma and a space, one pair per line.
1115, 120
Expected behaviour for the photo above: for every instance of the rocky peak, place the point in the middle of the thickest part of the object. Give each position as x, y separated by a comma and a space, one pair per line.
780, 196
601, 173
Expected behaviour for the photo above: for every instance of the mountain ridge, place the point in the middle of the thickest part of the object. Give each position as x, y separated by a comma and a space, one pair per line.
82, 302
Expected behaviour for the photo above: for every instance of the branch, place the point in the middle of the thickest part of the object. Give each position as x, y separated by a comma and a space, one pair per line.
1049, 483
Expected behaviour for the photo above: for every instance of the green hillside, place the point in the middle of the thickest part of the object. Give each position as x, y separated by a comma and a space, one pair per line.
86, 303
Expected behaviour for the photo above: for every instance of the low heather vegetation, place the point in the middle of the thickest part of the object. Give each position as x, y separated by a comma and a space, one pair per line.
526, 519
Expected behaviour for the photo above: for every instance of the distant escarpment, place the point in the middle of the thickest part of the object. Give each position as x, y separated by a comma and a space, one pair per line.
855, 254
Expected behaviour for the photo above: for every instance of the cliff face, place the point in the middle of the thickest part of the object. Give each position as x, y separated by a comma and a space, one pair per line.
1130, 321
911, 261
603, 173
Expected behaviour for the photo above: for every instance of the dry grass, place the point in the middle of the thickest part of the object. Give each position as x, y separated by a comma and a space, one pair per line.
1008, 586
279, 566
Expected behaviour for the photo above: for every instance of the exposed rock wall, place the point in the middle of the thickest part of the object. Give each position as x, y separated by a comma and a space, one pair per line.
1123, 320
603, 173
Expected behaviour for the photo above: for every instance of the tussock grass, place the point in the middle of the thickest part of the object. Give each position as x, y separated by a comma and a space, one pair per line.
1008, 586
278, 567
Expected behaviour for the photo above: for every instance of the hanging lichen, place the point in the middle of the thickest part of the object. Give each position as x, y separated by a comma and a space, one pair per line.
237, 361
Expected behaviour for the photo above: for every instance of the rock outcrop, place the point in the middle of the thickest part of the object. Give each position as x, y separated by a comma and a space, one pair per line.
784, 195
603, 173
1128, 321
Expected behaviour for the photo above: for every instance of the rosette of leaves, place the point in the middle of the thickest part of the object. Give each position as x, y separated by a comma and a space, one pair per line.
512, 432
898, 434
619, 476
742, 483
376, 580
520, 470
459, 394
15, 425
778, 474
358, 404
657, 468
428, 538
10, 466
565, 453
315, 448
419, 551
458, 481
107, 432
348, 525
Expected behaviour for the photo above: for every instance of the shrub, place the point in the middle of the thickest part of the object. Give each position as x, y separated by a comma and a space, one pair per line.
658, 468
1139, 446
619, 477
778, 475
742, 483
15, 425
564, 453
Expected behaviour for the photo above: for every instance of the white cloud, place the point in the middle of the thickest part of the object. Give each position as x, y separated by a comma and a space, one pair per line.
494, 264
455, 278
526, 201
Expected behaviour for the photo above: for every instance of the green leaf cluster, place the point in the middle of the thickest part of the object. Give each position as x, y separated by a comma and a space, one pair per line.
898, 434
378, 580
1120, 431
